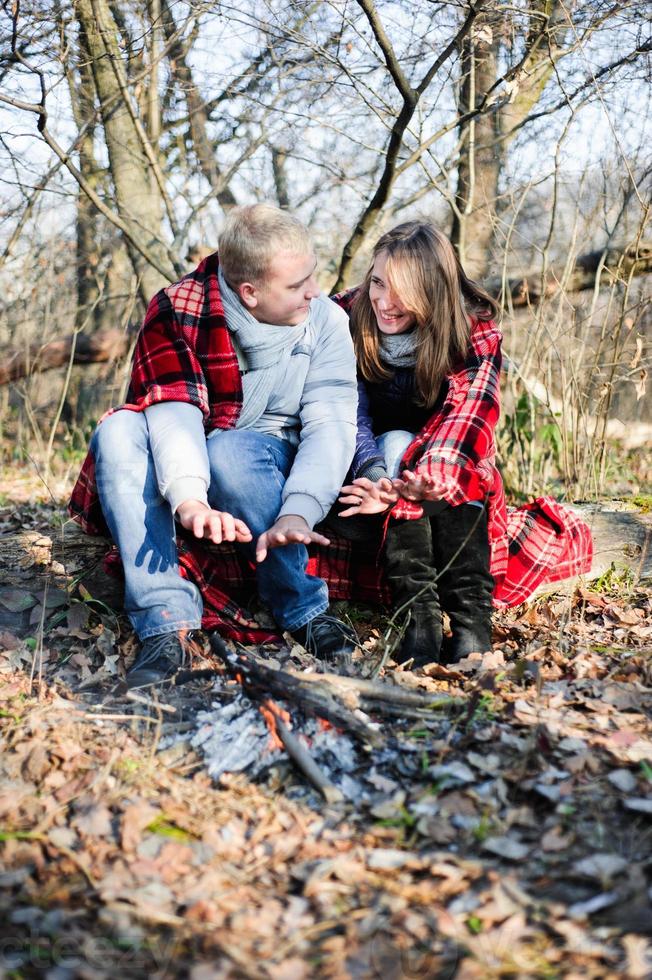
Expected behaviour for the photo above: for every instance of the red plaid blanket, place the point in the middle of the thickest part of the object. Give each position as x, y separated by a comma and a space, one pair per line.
184, 353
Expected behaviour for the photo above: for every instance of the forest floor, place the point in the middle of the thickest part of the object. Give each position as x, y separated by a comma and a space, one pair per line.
505, 832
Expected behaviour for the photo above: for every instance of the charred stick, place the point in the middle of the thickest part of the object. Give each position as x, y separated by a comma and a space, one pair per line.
377, 691
402, 711
314, 700
203, 674
307, 765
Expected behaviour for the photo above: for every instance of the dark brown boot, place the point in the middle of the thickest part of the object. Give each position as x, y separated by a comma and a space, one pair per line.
413, 582
465, 583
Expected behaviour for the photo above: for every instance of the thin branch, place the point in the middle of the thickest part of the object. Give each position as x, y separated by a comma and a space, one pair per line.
409, 95
410, 100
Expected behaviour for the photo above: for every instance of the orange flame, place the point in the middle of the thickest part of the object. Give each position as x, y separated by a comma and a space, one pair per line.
270, 712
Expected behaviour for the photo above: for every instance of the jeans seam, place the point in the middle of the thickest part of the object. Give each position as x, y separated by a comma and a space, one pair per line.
183, 624
312, 615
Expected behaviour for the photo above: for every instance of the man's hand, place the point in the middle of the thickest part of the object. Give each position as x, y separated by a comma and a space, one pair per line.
416, 487
366, 497
290, 529
214, 524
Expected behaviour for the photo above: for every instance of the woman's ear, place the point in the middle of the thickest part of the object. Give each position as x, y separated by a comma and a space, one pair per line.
248, 294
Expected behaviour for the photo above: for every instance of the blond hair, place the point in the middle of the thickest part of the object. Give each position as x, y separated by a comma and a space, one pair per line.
250, 238
425, 274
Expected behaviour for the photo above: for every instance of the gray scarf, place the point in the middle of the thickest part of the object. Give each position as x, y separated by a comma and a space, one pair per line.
399, 349
265, 348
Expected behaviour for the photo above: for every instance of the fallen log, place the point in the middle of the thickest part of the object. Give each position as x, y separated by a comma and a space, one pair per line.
99, 348
611, 263
30, 560
622, 540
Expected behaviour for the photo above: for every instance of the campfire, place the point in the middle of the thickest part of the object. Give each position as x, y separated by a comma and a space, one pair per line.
351, 739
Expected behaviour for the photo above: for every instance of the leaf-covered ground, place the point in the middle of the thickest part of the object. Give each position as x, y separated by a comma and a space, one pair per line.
510, 837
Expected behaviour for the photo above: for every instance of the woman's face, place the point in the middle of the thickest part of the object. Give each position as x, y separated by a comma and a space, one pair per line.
391, 316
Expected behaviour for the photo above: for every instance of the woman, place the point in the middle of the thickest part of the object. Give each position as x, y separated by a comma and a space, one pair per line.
428, 354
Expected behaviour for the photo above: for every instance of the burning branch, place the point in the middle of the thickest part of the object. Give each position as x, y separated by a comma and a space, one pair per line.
346, 702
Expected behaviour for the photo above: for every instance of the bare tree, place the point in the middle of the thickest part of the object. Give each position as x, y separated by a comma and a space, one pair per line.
131, 128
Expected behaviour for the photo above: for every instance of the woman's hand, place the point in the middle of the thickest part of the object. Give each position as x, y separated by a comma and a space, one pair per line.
366, 497
416, 487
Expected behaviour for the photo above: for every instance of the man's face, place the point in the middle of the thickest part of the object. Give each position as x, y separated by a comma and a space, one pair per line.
284, 297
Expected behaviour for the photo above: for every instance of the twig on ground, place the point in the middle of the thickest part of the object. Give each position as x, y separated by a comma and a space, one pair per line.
304, 761
148, 702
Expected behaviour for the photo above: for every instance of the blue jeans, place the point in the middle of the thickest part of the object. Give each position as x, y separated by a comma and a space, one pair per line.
248, 471
393, 445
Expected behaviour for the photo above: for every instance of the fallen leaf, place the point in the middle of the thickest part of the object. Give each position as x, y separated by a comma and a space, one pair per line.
8, 641
592, 598
37, 763
77, 617
639, 957
627, 746
387, 859
105, 644
16, 600
601, 866
452, 774
578, 940
63, 837
93, 820
638, 803
623, 780
554, 841
506, 847
293, 969
136, 817
442, 673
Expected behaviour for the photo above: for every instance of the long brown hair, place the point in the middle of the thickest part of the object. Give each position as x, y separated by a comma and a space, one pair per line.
425, 274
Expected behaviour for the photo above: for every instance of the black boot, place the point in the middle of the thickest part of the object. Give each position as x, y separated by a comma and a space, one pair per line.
161, 657
465, 583
412, 579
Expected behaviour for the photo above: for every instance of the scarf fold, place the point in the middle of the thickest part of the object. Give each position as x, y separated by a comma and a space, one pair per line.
399, 349
265, 348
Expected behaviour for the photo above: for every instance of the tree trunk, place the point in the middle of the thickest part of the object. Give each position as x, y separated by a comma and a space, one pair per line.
479, 167
137, 194
485, 138
88, 252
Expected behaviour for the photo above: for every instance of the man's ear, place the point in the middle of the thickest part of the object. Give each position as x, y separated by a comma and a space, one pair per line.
248, 294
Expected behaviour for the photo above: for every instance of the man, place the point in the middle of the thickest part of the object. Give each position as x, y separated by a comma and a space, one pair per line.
241, 428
